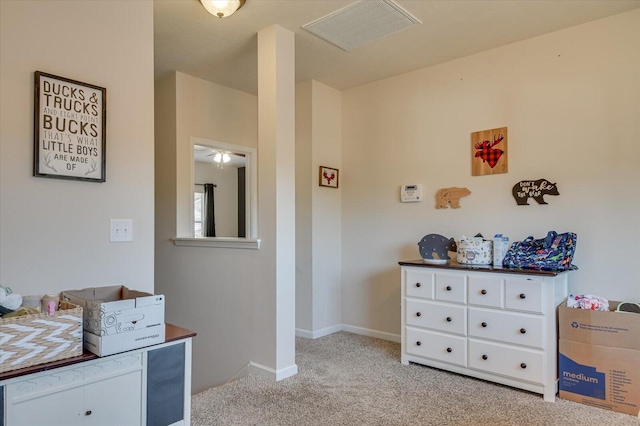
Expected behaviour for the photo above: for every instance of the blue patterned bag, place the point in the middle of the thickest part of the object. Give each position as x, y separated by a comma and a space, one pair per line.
554, 252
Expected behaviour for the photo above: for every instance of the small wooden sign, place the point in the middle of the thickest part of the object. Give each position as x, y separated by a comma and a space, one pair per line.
535, 189
489, 152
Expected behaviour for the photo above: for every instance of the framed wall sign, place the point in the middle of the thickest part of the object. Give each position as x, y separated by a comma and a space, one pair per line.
69, 129
328, 177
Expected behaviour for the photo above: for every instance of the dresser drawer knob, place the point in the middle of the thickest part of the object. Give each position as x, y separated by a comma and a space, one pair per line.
523, 365
418, 314
523, 296
483, 291
87, 413
418, 285
448, 319
485, 357
484, 324
449, 350
418, 343
448, 288
523, 330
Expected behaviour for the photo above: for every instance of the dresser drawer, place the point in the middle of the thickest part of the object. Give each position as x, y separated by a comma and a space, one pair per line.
521, 364
64, 378
441, 347
451, 288
508, 327
485, 291
45, 383
419, 284
437, 316
524, 294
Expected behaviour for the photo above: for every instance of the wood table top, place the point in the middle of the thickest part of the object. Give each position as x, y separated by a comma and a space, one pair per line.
172, 333
453, 265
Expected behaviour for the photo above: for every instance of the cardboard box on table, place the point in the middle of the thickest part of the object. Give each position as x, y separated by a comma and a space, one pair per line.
599, 358
118, 319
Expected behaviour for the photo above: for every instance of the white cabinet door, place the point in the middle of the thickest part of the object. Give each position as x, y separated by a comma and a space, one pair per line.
57, 409
114, 401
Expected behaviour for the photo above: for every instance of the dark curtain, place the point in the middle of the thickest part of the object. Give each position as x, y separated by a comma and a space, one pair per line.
242, 232
209, 213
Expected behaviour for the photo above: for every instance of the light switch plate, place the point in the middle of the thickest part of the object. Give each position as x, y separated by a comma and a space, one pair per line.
120, 230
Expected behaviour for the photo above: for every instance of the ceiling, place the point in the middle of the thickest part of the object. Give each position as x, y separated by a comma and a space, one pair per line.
224, 51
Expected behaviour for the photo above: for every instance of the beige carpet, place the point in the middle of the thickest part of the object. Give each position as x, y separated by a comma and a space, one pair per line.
348, 379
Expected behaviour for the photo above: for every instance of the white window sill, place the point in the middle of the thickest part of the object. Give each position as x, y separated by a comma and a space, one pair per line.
219, 242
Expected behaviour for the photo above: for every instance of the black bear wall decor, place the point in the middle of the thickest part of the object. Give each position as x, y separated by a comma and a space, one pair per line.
535, 189
435, 243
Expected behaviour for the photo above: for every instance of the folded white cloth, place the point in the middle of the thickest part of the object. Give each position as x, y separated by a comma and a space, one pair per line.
588, 301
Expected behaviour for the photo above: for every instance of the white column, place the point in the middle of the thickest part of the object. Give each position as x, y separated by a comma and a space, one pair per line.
276, 194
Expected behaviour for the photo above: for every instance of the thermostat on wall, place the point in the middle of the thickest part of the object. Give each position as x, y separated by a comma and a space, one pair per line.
411, 193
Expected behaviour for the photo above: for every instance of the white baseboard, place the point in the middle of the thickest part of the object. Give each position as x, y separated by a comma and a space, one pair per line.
270, 373
351, 329
307, 334
318, 333
283, 373
372, 333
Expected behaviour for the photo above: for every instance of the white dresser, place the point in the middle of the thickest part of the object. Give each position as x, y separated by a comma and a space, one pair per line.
488, 322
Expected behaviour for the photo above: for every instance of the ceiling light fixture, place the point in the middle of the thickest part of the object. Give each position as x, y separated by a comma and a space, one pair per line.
221, 158
222, 8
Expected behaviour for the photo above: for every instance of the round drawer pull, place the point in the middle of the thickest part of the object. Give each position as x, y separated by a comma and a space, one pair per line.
418, 314
449, 350
523, 330
448, 288
483, 291
448, 319
485, 357
523, 296
418, 285
484, 324
418, 343
87, 413
523, 365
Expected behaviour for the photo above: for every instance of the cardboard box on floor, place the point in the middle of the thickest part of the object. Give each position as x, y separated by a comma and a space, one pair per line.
117, 319
599, 358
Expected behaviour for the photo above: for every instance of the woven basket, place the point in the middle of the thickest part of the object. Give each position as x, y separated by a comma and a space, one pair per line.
37, 339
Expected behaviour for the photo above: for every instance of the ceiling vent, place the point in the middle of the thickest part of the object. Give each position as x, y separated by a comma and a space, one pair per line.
361, 23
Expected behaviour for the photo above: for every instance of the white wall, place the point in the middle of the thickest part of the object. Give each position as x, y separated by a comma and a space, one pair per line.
318, 210
54, 234
225, 195
240, 302
208, 290
304, 210
571, 102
